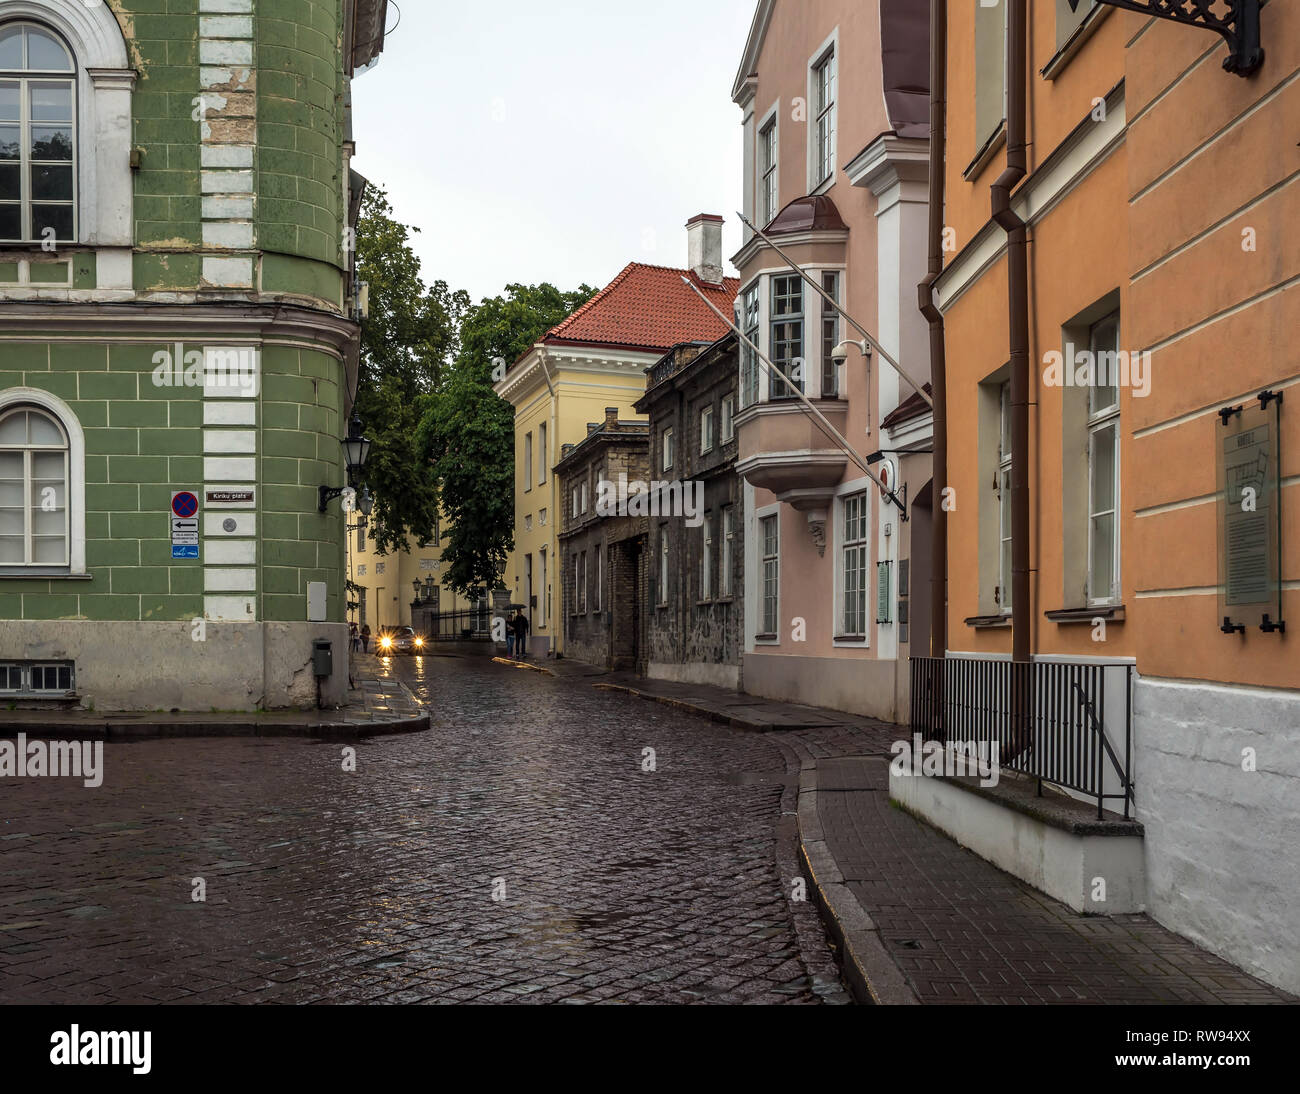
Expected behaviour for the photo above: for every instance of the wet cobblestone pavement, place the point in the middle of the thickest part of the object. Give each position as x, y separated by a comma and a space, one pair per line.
324, 885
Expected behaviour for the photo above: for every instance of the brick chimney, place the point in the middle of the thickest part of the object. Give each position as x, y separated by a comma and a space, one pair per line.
704, 247
611, 419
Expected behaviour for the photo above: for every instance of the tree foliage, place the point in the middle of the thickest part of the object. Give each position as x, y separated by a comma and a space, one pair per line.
407, 346
468, 431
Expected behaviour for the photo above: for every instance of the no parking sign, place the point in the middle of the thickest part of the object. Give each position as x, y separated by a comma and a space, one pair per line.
185, 524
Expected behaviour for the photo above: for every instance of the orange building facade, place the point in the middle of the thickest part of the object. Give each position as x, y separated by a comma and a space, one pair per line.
1161, 198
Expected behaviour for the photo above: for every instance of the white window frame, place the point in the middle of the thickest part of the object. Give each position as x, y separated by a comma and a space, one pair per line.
852, 544
105, 82
727, 562
769, 589
706, 430
541, 454
25, 77
831, 327
1100, 419
600, 568
836, 544
706, 558
727, 428
584, 497
768, 173
543, 595
528, 462
798, 361
750, 304
669, 453
27, 482
828, 52
661, 595
11, 399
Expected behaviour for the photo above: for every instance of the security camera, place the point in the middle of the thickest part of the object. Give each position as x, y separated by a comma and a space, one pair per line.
840, 353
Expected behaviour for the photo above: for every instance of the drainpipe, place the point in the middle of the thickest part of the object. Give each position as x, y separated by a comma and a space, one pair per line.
1018, 306
938, 361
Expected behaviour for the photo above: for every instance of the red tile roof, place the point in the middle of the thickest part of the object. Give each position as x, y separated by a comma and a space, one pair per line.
648, 307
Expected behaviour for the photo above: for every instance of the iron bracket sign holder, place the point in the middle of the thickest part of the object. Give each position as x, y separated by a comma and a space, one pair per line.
1239, 28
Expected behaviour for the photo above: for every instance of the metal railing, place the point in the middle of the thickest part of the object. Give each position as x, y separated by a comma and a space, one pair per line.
467, 624
1069, 724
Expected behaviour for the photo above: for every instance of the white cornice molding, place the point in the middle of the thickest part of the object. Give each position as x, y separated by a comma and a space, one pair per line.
527, 376
889, 160
753, 47
909, 435
751, 250
1069, 164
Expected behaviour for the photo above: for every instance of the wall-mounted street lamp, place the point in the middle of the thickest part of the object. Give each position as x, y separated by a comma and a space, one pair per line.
1239, 27
356, 450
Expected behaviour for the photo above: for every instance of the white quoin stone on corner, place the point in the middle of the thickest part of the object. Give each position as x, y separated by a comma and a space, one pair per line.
704, 247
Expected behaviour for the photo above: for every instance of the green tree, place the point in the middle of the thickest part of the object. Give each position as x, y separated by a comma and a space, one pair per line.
468, 431
407, 346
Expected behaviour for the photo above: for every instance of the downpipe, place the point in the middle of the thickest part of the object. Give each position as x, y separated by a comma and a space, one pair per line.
1018, 314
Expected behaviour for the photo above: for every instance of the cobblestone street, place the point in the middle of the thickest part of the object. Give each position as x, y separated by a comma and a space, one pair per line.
324, 885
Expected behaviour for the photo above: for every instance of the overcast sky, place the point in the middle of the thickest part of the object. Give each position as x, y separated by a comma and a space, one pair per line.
554, 142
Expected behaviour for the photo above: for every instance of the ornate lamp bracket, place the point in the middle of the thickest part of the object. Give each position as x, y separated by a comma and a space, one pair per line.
1239, 27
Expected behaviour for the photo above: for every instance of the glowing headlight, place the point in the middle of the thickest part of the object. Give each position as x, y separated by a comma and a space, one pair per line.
419, 641
386, 643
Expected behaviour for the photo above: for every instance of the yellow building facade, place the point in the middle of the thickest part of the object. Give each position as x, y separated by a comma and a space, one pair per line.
594, 362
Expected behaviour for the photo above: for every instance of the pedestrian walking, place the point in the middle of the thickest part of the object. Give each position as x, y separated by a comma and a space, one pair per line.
354, 636
365, 637
520, 625
510, 638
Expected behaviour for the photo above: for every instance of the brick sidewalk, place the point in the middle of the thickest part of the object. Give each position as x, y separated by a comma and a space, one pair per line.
925, 920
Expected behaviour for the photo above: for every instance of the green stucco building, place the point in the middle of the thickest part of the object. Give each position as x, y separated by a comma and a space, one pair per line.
178, 347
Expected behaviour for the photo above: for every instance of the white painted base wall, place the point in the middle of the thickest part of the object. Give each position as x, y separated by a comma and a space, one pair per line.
722, 676
858, 685
158, 666
1058, 863
1223, 844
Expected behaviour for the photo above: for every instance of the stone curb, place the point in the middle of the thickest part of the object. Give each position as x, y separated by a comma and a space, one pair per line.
229, 726
691, 708
870, 971
523, 665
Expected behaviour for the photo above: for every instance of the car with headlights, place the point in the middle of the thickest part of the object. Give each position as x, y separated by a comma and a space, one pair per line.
402, 640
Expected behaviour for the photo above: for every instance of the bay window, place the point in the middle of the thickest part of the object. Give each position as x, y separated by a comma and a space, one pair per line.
787, 334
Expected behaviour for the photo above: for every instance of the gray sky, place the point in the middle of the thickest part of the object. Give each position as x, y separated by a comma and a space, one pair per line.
554, 142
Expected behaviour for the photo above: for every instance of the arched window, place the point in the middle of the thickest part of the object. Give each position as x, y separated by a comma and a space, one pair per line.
34, 489
38, 135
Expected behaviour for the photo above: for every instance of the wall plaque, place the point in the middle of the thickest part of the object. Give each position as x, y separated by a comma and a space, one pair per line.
1248, 439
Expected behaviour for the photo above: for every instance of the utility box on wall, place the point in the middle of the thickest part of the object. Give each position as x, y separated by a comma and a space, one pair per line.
316, 600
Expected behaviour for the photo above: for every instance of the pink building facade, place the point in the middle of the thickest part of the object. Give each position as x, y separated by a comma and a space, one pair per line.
834, 98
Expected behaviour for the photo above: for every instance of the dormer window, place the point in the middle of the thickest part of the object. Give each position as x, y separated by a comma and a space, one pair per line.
38, 136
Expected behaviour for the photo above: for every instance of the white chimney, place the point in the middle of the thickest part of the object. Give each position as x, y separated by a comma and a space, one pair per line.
704, 247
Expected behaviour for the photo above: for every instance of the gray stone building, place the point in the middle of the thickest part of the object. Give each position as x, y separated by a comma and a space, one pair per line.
602, 547
695, 624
